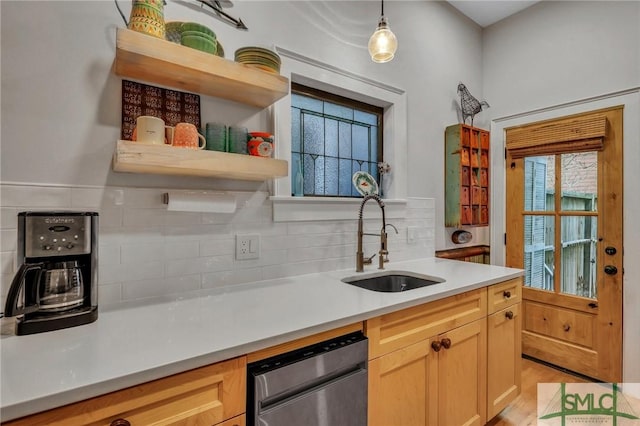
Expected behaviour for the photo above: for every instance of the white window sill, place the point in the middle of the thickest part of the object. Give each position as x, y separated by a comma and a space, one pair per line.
296, 209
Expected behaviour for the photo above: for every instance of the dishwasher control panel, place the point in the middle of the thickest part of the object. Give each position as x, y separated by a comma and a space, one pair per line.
278, 361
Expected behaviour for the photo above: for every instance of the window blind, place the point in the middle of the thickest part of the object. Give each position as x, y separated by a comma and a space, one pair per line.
572, 135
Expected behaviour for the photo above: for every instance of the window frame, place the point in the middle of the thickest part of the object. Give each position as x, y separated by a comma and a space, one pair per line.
316, 74
325, 96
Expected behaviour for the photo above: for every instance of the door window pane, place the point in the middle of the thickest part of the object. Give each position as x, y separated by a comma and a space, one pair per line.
579, 176
539, 252
539, 177
579, 260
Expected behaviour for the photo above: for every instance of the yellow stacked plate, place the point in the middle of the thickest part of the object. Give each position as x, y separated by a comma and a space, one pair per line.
259, 57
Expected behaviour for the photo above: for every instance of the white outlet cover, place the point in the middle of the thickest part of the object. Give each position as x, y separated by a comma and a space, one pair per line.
412, 232
247, 246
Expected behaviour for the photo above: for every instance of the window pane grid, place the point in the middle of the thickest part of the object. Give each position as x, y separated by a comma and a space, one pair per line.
330, 148
560, 216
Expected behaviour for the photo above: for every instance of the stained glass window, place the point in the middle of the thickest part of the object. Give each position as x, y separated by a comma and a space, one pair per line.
332, 138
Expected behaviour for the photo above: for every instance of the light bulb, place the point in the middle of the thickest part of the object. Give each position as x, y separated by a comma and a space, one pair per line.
383, 43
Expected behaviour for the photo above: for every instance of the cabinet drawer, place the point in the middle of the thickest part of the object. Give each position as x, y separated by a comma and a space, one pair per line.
476, 195
396, 330
464, 195
484, 215
207, 396
484, 140
484, 159
475, 139
465, 176
466, 215
484, 177
504, 294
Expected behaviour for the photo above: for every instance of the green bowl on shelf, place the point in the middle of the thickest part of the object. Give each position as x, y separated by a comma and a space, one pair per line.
198, 33
199, 42
194, 26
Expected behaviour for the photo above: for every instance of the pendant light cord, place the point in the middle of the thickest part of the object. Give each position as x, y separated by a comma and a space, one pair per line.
382, 8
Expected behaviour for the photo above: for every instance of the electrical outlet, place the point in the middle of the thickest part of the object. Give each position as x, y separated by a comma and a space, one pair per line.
411, 234
247, 246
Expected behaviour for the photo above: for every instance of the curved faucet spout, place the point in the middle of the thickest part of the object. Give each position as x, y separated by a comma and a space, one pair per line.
360, 259
372, 197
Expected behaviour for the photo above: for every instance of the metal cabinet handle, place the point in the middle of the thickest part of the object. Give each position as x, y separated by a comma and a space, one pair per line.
436, 346
509, 314
446, 343
506, 294
120, 422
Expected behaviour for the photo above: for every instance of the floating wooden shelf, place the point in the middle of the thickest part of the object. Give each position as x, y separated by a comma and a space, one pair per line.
166, 160
151, 59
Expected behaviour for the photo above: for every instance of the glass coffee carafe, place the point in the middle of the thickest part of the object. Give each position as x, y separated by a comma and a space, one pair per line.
60, 286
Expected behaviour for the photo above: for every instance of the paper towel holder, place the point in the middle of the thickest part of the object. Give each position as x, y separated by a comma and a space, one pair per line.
200, 201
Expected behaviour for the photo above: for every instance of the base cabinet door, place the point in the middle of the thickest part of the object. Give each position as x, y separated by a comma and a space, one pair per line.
462, 375
504, 358
210, 395
399, 387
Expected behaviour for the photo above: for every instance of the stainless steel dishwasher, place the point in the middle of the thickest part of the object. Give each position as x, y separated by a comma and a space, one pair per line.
319, 385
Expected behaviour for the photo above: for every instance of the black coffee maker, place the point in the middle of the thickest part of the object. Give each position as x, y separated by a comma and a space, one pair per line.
56, 284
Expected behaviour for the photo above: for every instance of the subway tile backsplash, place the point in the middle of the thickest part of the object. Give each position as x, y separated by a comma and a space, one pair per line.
146, 251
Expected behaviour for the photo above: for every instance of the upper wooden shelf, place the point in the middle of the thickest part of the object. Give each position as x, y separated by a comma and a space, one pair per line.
166, 160
151, 59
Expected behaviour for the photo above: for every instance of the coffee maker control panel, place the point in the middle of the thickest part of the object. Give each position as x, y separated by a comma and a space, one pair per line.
57, 235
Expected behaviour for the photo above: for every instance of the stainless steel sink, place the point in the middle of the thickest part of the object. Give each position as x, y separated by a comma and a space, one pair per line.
392, 281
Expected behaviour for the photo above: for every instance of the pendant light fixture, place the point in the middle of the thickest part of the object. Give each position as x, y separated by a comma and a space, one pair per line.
383, 43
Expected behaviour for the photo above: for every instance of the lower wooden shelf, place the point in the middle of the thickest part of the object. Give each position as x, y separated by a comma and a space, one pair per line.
135, 157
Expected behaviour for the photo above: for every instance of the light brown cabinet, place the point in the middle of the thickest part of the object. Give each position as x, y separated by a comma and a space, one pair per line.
504, 353
446, 362
429, 361
462, 375
211, 395
399, 387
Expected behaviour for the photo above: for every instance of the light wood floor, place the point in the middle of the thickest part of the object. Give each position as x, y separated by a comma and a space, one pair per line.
522, 412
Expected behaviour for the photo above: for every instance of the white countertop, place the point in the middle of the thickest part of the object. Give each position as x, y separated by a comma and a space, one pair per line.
133, 344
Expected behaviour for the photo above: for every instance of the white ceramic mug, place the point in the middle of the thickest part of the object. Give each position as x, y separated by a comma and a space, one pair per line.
150, 130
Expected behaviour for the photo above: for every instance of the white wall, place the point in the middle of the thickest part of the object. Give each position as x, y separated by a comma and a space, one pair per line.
61, 100
61, 106
560, 58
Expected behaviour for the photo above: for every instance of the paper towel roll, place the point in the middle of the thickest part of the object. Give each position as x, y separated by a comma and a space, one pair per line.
200, 201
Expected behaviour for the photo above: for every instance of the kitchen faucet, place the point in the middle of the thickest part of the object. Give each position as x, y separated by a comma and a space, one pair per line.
383, 253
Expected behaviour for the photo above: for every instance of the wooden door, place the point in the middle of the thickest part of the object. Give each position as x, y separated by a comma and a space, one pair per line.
400, 385
564, 227
462, 376
503, 358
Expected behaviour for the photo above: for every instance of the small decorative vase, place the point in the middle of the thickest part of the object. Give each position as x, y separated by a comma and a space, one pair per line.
147, 16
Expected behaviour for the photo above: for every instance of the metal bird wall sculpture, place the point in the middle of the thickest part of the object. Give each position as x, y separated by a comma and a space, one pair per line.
469, 105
